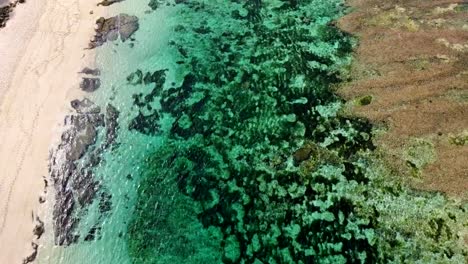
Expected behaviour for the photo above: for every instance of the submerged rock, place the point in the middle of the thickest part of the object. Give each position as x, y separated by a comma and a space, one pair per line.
145, 124
135, 77
112, 114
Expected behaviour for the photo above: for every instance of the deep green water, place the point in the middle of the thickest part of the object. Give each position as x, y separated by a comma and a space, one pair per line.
235, 149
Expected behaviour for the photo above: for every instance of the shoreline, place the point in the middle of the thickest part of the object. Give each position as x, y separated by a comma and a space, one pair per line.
33, 103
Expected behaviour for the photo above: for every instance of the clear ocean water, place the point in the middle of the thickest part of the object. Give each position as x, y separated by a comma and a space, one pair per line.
236, 150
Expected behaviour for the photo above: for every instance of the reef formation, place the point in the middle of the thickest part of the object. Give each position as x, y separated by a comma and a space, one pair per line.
260, 163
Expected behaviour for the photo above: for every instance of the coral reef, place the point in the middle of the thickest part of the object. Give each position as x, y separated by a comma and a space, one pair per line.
258, 151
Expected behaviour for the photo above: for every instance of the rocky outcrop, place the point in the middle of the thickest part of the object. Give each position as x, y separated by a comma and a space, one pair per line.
5, 15
85, 106
90, 84
5, 11
108, 2
32, 256
74, 184
112, 114
110, 29
72, 166
39, 228
89, 71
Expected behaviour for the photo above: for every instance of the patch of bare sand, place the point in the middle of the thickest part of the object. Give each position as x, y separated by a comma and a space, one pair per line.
412, 60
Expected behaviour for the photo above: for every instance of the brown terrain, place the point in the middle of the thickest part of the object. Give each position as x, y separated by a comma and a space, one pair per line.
410, 78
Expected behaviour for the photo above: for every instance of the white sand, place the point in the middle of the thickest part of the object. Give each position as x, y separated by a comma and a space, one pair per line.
41, 51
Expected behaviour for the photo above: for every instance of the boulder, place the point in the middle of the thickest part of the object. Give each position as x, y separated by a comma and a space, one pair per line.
108, 2
90, 84
110, 29
85, 106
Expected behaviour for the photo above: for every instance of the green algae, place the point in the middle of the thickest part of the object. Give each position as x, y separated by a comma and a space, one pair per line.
365, 100
419, 154
460, 139
229, 185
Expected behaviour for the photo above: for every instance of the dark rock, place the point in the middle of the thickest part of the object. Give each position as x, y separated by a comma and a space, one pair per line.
33, 255
108, 2
85, 106
89, 71
6, 10
158, 78
64, 222
105, 202
73, 181
81, 136
39, 228
5, 14
128, 26
93, 232
146, 124
90, 84
112, 114
85, 187
153, 4
135, 77
111, 29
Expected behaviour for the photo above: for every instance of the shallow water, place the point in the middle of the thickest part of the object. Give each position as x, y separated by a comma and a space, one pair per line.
241, 154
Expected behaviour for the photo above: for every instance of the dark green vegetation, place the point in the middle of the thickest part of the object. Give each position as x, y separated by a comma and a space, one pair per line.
260, 166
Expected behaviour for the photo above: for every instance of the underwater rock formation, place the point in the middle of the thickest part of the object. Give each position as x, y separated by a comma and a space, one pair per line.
112, 114
147, 120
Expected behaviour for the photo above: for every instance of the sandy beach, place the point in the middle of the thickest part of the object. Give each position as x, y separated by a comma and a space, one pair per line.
41, 51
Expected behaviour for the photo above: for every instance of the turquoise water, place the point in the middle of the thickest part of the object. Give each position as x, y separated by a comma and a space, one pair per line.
238, 151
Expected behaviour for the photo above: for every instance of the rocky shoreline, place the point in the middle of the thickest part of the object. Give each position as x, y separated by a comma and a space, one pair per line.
89, 131
72, 164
